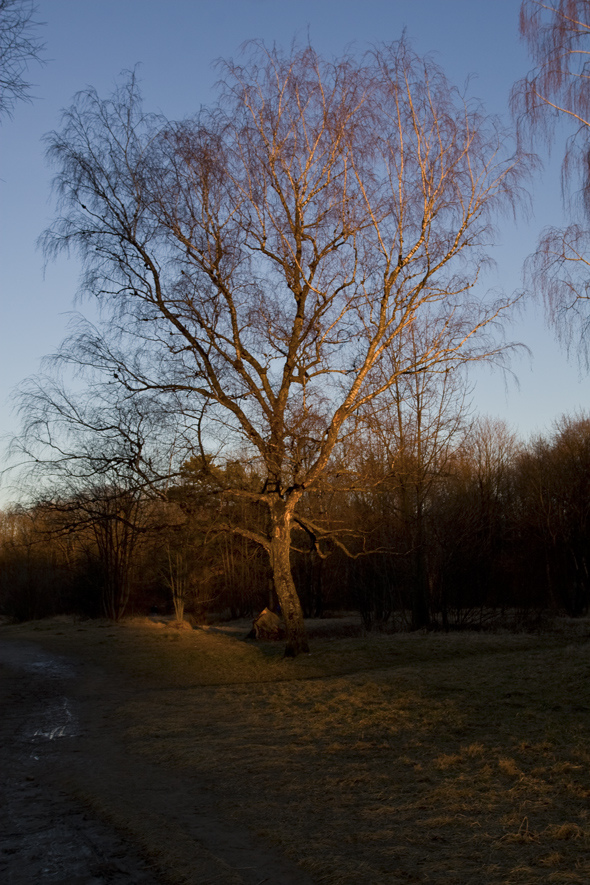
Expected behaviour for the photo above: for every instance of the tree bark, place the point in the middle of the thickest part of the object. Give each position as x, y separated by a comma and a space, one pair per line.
280, 559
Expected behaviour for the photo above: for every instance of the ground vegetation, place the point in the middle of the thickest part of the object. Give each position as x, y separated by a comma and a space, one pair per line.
398, 758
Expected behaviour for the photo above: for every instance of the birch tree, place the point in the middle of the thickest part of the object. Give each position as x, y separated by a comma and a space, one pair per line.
19, 46
555, 94
260, 264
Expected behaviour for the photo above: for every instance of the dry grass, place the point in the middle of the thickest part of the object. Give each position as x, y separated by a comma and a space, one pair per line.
390, 759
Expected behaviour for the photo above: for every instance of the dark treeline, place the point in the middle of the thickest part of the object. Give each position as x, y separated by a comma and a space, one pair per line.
458, 535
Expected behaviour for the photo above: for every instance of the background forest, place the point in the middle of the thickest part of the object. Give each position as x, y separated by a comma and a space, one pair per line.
479, 531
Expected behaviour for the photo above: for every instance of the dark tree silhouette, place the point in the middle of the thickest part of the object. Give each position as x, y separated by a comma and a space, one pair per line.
19, 46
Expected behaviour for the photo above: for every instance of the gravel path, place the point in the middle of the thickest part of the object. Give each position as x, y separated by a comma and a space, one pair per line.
77, 809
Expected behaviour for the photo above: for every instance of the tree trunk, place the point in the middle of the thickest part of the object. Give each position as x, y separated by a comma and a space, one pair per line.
420, 601
179, 607
280, 550
420, 607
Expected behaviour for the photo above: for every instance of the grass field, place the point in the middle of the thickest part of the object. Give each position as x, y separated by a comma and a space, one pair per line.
461, 758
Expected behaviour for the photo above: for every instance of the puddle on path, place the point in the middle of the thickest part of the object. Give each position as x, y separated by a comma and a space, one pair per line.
49, 667
32, 659
52, 716
57, 720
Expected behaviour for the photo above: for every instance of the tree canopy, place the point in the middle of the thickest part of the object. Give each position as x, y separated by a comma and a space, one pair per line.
262, 266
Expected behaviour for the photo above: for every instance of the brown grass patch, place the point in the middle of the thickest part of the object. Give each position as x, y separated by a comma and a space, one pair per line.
376, 759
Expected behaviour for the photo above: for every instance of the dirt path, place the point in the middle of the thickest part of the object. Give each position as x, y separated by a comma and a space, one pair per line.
78, 810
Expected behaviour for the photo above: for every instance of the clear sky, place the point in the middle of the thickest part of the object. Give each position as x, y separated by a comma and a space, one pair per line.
175, 42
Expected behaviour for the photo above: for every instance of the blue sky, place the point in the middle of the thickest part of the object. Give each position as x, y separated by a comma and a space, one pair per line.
175, 42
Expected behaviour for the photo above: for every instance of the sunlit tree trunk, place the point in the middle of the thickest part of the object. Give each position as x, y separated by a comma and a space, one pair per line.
280, 558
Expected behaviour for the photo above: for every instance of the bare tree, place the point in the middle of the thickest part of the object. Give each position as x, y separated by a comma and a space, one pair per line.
260, 264
85, 433
108, 522
471, 521
557, 90
554, 480
419, 422
91, 455
19, 46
